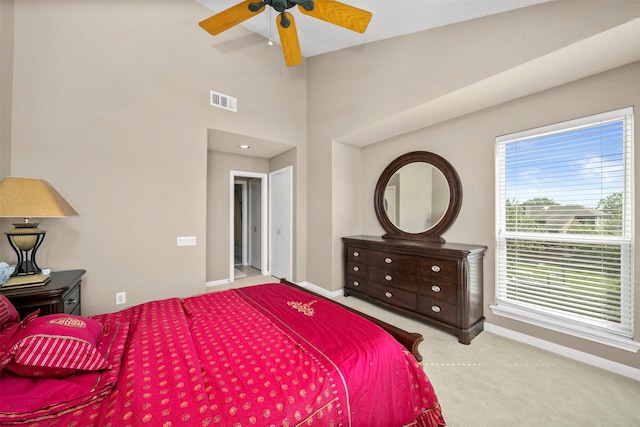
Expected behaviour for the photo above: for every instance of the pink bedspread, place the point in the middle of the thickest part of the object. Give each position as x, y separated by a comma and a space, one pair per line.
263, 355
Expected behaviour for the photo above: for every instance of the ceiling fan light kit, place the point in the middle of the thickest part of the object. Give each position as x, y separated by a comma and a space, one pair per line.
333, 12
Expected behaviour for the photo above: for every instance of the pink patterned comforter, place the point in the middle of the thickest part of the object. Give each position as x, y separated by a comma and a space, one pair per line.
259, 356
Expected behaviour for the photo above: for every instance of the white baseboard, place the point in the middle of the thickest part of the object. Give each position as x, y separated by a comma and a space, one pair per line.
570, 353
218, 283
320, 290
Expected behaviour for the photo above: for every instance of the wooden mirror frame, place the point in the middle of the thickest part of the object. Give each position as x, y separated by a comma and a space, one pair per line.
434, 233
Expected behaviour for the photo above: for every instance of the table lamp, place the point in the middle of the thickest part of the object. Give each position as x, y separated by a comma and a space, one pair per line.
29, 198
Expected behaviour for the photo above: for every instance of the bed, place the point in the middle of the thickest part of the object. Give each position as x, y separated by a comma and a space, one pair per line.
264, 355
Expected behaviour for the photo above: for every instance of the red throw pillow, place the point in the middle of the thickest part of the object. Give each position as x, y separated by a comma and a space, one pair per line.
56, 346
8, 313
9, 324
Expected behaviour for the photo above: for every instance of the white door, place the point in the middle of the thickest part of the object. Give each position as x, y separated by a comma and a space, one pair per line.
280, 229
255, 226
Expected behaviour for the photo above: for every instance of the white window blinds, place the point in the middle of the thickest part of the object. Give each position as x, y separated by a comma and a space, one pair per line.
564, 204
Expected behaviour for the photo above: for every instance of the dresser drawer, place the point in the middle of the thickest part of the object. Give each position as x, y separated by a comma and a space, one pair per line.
357, 269
357, 254
439, 289
71, 301
393, 296
438, 269
438, 309
356, 283
394, 262
395, 279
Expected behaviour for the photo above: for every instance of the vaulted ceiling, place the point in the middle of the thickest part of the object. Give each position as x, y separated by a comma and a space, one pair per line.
391, 18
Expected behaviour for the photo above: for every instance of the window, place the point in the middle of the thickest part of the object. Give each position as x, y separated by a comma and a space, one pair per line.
564, 226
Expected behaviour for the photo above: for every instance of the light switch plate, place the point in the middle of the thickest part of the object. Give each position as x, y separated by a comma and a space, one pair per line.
187, 241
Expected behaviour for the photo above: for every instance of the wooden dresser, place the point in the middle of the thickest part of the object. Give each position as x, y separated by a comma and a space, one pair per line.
438, 283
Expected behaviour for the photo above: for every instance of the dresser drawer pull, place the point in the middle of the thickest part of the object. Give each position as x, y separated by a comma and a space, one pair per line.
356, 283
356, 268
356, 254
72, 301
435, 309
435, 268
388, 294
388, 260
388, 277
435, 288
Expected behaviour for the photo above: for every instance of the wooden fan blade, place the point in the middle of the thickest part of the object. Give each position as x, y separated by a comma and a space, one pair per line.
229, 17
340, 14
289, 40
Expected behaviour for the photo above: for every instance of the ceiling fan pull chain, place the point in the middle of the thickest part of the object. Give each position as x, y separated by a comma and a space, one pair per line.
270, 42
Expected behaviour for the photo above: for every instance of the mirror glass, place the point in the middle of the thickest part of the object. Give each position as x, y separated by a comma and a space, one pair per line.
416, 197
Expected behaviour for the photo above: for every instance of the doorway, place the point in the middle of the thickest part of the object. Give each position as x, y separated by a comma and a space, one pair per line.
248, 219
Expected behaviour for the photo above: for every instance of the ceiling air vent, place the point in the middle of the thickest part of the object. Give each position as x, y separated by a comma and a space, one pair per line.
223, 101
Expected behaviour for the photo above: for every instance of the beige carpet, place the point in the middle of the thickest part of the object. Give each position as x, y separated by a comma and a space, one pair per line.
499, 382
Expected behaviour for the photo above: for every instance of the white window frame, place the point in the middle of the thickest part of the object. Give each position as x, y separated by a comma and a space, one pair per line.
539, 316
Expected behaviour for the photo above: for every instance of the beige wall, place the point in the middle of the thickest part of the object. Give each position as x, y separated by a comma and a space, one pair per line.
349, 203
6, 83
110, 105
6, 98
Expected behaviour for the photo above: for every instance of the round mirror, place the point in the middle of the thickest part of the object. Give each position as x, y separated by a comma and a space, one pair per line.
418, 196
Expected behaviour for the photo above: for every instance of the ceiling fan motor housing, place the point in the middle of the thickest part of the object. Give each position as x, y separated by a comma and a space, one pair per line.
282, 5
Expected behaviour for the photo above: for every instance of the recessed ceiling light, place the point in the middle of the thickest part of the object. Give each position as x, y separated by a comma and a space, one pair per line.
244, 146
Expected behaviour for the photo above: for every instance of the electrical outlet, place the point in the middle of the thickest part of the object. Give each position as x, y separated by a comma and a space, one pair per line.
121, 297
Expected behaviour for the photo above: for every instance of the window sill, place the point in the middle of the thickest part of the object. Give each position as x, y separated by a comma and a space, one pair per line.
609, 339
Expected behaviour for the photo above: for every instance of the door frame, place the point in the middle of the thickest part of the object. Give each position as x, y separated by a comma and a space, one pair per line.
254, 251
264, 265
245, 220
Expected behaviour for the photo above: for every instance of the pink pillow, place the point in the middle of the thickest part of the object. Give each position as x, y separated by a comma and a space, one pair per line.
9, 324
8, 313
56, 346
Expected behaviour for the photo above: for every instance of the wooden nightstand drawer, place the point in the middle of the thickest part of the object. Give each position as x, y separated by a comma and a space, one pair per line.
71, 301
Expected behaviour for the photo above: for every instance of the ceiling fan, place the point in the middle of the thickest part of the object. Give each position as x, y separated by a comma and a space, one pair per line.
330, 11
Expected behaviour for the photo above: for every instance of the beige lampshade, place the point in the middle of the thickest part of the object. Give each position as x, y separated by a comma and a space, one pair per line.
31, 198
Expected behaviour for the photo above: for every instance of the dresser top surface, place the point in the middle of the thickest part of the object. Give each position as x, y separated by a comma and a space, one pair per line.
415, 244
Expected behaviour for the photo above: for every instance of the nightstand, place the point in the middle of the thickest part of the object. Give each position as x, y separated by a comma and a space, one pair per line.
60, 295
